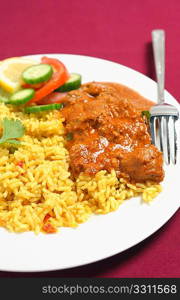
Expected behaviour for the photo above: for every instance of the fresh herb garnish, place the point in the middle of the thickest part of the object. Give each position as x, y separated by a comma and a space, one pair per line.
146, 113
69, 136
12, 129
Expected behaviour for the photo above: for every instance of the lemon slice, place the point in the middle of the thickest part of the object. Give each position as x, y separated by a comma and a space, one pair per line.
4, 96
11, 70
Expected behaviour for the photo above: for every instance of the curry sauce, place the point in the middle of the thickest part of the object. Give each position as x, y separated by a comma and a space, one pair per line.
109, 132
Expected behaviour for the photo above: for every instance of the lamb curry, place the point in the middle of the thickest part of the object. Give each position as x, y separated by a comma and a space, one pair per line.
106, 130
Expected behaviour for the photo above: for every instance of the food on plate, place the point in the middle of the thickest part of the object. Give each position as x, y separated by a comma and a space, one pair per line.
12, 129
68, 150
21, 97
59, 77
11, 72
73, 83
109, 133
37, 74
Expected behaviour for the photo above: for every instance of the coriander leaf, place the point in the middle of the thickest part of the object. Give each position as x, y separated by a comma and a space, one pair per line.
12, 129
146, 113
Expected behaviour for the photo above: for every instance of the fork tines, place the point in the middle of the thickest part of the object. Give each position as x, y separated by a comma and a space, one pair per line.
163, 134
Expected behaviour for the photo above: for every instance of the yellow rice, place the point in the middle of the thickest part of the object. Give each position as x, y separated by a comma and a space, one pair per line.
42, 184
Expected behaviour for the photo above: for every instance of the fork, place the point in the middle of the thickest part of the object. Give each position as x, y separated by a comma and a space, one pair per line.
163, 115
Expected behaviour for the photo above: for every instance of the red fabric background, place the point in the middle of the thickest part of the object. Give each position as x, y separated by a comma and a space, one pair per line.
118, 30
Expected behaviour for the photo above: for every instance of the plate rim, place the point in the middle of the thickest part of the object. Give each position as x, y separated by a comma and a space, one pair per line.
49, 269
109, 61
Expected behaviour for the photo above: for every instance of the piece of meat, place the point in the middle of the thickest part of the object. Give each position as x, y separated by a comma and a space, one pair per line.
109, 132
143, 164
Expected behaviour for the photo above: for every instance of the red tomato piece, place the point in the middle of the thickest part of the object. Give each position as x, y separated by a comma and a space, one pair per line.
48, 228
54, 97
58, 78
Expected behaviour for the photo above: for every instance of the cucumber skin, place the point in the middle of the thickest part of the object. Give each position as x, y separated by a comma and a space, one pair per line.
40, 108
40, 79
21, 101
69, 86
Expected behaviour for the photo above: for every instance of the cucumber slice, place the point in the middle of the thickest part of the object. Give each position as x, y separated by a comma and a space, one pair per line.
22, 96
73, 83
39, 108
37, 73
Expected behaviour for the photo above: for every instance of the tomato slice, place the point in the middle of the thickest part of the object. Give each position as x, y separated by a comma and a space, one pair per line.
54, 97
33, 86
46, 218
49, 228
58, 78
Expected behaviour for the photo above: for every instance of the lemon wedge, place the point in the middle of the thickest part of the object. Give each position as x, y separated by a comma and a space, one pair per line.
4, 96
11, 70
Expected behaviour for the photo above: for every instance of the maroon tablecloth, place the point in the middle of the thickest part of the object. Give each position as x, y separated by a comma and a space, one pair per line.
118, 30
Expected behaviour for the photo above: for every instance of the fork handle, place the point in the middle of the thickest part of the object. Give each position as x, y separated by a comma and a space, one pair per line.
158, 38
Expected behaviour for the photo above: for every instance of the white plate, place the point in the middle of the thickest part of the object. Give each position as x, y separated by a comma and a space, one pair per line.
105, 235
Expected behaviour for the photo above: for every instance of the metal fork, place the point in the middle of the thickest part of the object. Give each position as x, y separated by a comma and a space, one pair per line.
163, 115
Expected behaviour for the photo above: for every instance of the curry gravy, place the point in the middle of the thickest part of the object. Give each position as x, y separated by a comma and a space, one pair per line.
108, 132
